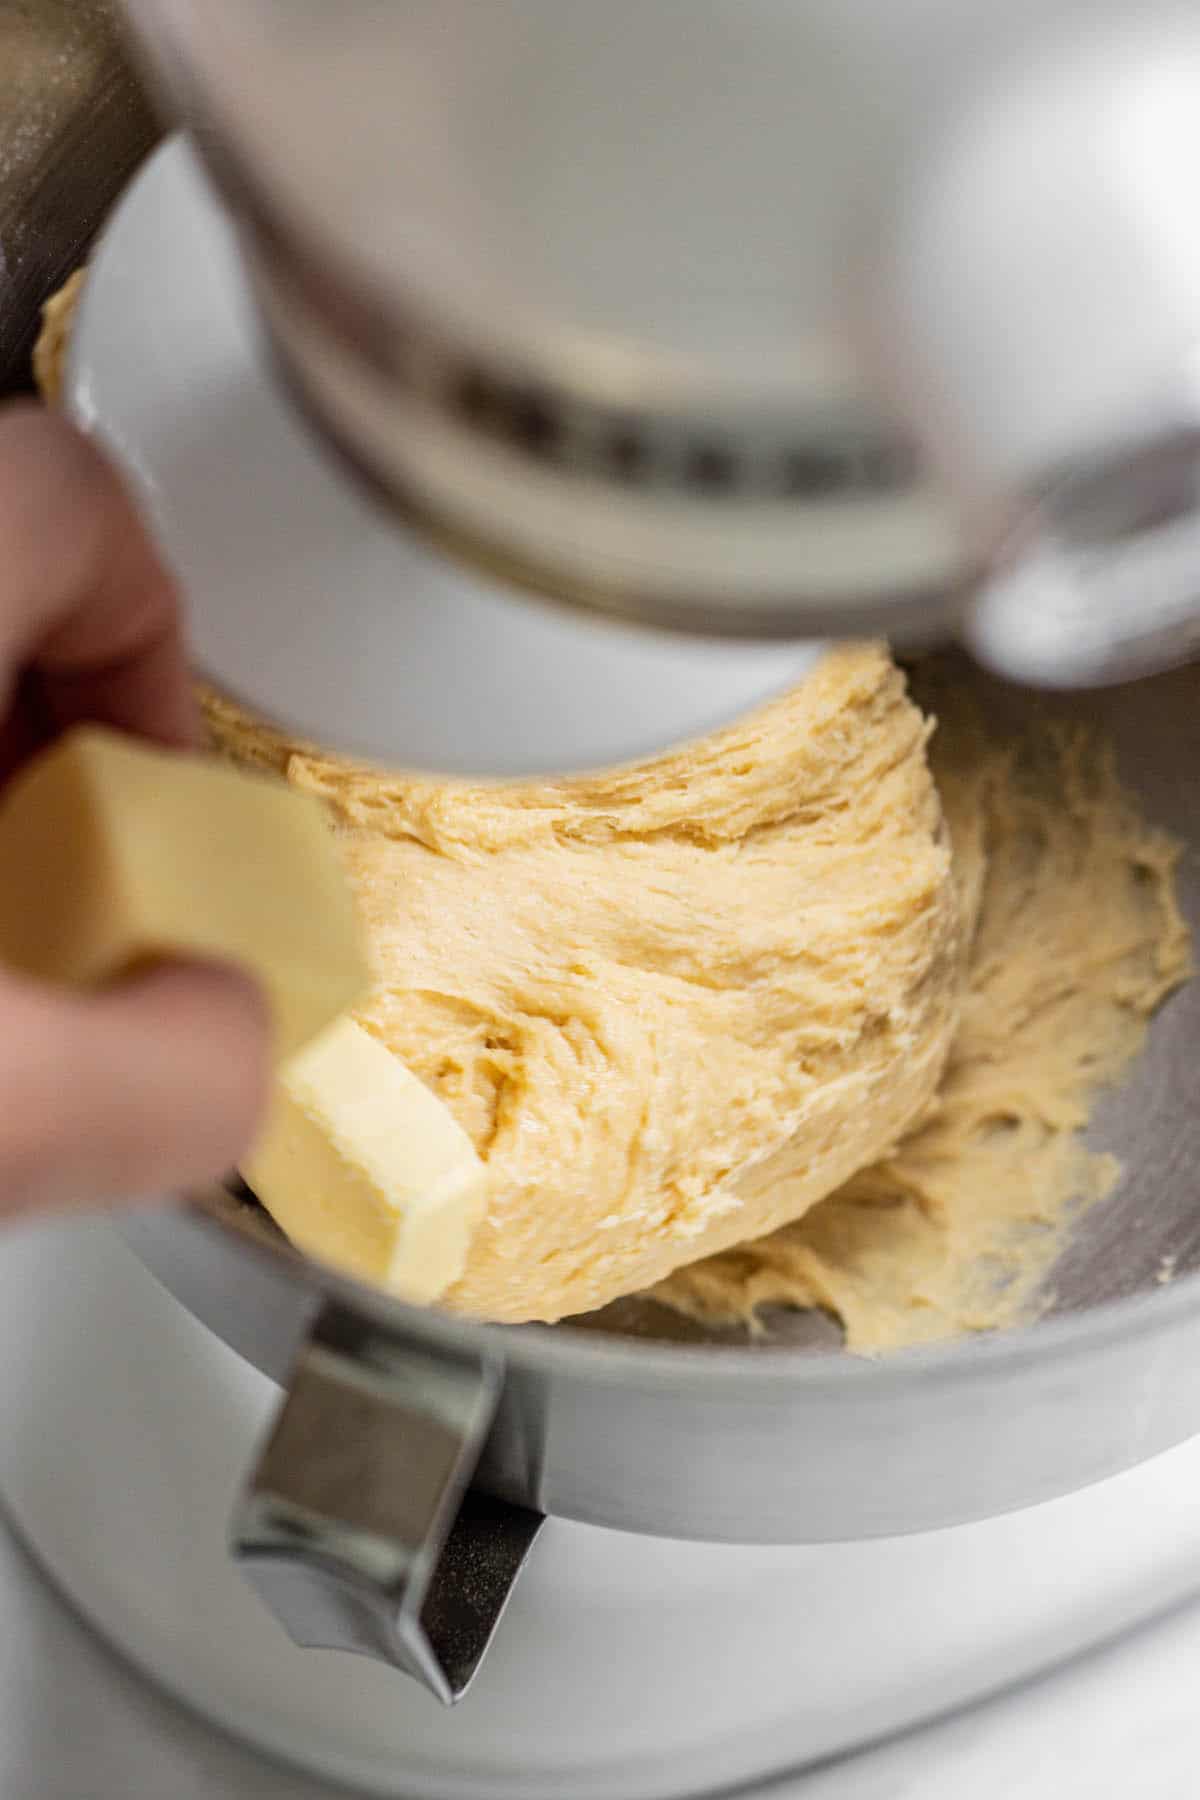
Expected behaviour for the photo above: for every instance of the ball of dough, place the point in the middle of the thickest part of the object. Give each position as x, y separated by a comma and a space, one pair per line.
675, 1005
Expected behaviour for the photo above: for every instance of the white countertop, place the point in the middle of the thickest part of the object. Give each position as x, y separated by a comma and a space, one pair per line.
76, 1724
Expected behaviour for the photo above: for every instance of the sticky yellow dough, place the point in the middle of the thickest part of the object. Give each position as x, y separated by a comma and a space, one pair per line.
50, 351
1075, 938
672, 1007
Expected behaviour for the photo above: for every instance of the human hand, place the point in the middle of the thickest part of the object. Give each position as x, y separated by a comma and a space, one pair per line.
158, 1081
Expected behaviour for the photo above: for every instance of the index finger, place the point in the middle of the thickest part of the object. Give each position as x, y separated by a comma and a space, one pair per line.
85, 600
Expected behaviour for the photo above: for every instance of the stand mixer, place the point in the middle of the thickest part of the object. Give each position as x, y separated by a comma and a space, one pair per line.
767, 321
696, 334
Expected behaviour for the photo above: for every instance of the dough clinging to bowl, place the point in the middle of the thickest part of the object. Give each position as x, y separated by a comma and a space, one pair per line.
673, 1005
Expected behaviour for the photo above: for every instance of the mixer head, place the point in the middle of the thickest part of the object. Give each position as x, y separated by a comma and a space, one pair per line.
750, 323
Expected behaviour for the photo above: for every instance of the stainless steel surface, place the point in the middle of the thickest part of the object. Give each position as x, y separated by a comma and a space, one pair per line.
73, 127
610, 1421
352, 1527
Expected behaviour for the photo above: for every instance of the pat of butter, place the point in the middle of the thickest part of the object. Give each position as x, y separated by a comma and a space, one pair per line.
362, 1167
115, 853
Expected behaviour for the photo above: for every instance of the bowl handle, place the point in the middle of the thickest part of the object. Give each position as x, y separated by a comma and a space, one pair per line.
358, 1527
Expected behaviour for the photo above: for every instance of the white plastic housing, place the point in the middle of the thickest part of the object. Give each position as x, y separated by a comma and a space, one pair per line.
776, 225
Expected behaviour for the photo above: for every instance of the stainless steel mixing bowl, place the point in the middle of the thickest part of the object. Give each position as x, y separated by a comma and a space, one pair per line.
355, 1524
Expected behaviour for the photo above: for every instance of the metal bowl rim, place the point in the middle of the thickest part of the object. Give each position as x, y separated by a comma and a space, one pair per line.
566, 1351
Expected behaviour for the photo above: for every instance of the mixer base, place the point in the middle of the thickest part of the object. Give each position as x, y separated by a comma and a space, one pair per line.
624, 1665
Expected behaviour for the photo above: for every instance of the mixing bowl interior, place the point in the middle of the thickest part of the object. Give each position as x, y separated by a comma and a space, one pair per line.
1148, 1230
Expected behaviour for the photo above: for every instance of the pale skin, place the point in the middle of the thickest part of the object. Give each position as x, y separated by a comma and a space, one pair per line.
158, 1082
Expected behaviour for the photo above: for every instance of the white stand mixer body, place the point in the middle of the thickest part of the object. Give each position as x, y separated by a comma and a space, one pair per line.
625, 1665
776, 318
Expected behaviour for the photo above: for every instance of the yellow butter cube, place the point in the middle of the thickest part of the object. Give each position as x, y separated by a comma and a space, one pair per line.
364, 1168
114, 853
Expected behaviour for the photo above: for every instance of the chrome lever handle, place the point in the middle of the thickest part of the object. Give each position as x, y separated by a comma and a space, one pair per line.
357, 1527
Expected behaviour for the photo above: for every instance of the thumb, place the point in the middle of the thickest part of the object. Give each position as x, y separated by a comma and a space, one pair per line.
147, 1086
